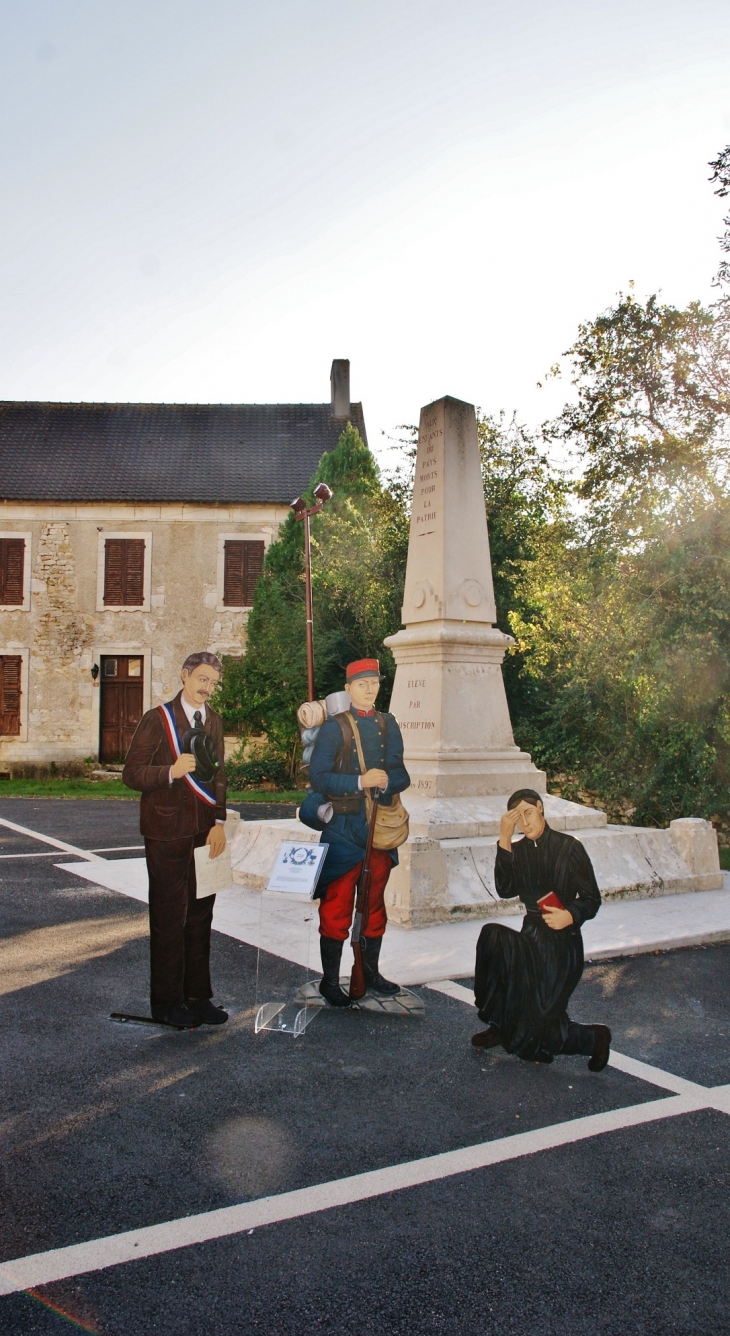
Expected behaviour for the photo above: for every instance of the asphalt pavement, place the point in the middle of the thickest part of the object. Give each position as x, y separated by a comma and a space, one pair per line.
107, 1128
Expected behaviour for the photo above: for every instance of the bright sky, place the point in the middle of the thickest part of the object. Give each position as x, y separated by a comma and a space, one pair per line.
208, 202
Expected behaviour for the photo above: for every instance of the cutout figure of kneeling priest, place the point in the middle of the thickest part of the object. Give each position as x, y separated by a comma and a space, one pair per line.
356, 751
524, 980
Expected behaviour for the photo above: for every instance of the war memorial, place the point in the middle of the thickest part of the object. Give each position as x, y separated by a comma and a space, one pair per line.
449, 700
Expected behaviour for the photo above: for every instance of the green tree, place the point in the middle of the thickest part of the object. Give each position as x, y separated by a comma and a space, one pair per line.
721, 174
649, 425
358, 568
529, 527
631, 665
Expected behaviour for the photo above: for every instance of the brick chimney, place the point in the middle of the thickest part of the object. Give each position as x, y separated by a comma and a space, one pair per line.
340, 383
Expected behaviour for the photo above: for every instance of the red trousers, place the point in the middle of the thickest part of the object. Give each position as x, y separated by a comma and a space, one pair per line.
335, 913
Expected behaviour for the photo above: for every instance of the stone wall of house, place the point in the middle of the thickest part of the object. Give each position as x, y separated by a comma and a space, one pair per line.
64, 631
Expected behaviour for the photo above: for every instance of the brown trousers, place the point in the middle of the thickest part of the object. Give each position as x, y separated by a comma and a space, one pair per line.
179, 923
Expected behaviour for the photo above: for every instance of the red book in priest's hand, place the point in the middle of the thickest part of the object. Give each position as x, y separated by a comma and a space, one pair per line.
550, 901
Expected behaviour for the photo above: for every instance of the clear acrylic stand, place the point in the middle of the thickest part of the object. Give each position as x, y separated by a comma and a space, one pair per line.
288, 938
288, 966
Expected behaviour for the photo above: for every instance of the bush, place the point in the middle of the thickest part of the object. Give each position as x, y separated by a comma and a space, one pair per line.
265, 765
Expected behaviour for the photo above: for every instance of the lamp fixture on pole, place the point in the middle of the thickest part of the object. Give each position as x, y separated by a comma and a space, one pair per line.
302, 512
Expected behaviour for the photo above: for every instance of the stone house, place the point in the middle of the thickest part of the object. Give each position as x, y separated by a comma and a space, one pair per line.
130, 536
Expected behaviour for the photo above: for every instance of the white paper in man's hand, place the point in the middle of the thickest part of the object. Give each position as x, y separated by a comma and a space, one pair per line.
212, 874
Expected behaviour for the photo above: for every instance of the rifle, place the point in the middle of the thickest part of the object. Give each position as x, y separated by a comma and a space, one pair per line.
358, 986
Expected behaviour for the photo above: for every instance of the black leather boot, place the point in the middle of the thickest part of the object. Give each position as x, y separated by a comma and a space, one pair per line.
373, 977
329, 986
601, 1050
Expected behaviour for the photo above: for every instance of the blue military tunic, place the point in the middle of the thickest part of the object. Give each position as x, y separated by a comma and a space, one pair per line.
347, 835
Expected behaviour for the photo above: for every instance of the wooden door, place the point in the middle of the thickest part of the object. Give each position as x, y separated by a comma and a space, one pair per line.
122, 685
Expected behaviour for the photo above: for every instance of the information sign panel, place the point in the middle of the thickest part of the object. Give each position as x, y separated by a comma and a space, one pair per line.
297, 868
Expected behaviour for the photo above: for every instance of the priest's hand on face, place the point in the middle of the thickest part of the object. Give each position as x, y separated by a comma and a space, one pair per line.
216, 840
558, 918
184, 765
507, 827
375, 779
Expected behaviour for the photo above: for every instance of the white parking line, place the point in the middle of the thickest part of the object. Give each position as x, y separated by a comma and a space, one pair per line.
118, 849
45, 854
632, 1066
48, 839
61, 1263
97, 1254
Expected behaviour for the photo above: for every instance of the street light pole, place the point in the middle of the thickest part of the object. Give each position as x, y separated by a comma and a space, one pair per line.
303, 512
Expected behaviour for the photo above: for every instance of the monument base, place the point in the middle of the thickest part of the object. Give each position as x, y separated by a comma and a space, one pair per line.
451, 706
446, 868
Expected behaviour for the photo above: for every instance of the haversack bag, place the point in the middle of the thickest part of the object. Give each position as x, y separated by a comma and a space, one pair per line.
391, 823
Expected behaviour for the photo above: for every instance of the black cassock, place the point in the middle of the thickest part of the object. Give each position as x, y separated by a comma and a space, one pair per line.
523, 980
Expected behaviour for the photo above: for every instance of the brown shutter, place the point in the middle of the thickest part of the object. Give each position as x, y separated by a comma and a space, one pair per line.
252, 569
243, 564
12, 558
10, 694
124, 572
233, 575
134, 585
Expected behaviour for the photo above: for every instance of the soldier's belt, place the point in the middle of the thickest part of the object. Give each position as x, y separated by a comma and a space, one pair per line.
350, 805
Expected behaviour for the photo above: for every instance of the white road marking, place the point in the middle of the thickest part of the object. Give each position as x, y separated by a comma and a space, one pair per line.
453, 989
118, 849
61, 1263
632, 1066
48, 839
97, 1254
646, 1072
46, 854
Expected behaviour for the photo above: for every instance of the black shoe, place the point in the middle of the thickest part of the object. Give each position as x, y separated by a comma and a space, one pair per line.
332, 993
373, 978
601, 1048
489, 1038
179, 1014
542, 1056
206, 1011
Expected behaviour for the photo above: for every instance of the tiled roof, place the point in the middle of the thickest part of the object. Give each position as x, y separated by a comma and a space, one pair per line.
227, 453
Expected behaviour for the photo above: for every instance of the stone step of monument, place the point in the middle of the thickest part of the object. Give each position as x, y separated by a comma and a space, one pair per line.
464, 818
439, 881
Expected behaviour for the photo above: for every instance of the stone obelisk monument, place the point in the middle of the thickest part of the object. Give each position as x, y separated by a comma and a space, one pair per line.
450, 702
449, 696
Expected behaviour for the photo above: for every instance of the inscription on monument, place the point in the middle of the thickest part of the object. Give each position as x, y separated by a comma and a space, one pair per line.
427, 493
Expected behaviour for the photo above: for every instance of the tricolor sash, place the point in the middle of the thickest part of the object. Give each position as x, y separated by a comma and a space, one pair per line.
173, 737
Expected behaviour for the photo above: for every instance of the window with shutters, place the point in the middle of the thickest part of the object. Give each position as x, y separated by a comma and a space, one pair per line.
10, 670
124, 573
15, 570
243, 561
12, 560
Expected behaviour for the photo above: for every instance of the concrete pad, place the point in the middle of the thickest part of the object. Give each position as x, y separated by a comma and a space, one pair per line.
288, 926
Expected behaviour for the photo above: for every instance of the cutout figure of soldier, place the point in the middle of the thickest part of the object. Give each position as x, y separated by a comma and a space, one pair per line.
523, 981
178, 814
335, 773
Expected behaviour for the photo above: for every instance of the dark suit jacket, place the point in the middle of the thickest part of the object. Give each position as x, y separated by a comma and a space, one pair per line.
171, 811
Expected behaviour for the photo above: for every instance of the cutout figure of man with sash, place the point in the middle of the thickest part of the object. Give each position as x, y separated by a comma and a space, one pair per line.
183, 806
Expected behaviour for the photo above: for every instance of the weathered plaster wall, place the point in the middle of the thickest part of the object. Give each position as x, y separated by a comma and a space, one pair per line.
63, 633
